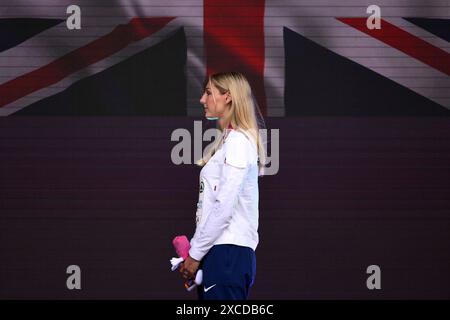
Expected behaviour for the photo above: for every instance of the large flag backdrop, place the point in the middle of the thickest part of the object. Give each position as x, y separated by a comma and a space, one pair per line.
364, 158
302, 57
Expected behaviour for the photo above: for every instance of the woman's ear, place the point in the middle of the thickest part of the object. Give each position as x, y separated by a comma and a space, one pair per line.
228, 98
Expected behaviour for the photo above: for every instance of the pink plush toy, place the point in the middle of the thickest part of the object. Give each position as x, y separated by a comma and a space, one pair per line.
182, 246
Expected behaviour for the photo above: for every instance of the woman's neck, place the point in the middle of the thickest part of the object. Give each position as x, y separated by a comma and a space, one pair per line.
224, 125
224, 120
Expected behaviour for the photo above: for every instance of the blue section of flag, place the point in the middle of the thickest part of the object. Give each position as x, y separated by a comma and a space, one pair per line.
18, 30
438, 27
151, 82
320, 82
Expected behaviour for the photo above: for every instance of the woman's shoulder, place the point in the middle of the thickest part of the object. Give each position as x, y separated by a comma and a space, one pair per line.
239, 149
239, 136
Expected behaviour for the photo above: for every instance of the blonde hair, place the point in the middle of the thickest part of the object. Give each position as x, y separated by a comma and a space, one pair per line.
242, 115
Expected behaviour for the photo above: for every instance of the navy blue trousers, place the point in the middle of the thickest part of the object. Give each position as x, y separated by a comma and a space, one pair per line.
228, 273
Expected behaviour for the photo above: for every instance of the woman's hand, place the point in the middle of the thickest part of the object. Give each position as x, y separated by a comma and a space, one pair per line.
189, 267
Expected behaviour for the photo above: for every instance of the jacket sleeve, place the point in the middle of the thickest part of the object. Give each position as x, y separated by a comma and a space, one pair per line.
231, 181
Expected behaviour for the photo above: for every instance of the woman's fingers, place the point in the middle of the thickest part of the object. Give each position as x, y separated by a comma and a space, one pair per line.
185, 273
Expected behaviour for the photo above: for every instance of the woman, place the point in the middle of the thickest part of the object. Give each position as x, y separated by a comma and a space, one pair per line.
226, 234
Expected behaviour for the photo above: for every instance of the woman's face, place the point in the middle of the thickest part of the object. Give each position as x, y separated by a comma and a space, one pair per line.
217, 105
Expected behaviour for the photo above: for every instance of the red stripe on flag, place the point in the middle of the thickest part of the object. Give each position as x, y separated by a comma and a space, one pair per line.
405, 42
234, 40
123, 35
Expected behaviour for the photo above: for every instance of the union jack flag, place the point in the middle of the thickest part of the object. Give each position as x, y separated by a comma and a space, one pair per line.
150, 57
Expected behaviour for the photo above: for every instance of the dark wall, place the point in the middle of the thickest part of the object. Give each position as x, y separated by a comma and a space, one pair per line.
102, 193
